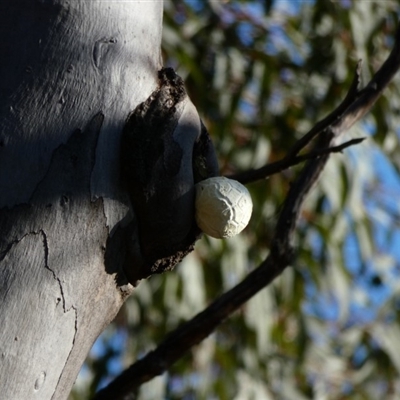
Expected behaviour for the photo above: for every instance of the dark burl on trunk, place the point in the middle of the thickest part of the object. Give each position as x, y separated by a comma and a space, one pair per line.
165, 151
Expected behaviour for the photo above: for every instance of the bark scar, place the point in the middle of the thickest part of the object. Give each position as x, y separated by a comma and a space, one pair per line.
46, 264
165, 151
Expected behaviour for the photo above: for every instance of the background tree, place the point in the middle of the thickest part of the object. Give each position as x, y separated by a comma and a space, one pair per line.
261, 74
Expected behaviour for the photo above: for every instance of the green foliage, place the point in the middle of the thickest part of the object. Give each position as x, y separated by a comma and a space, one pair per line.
261, 74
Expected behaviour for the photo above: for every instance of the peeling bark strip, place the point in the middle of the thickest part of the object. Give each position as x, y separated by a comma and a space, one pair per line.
165, 151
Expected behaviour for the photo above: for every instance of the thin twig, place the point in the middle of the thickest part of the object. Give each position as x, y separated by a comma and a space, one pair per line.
276, 167
291, 158
320, 126
177, 343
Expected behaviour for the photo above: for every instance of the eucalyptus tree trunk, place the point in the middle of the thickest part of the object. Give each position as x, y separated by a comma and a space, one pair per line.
70, 73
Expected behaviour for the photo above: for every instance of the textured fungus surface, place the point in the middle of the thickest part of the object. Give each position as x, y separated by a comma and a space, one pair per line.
223, 207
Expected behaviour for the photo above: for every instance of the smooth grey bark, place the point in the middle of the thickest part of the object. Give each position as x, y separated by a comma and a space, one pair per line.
70, 73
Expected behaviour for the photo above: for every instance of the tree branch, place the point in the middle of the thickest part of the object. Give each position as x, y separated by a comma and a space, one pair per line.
292, 157
177, 343
264, 172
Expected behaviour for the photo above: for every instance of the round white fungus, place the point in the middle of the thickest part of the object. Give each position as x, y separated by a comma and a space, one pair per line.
223, 207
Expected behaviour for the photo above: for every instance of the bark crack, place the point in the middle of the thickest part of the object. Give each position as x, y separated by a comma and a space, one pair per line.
3, 255
46, 265
65, 310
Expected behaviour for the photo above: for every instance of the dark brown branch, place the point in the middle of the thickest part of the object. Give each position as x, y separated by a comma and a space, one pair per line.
176, 344
361, 104
264, 172
192, 332
291, 158
332, 117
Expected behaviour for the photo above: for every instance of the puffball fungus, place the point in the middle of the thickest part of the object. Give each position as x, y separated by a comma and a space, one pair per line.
223, 207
